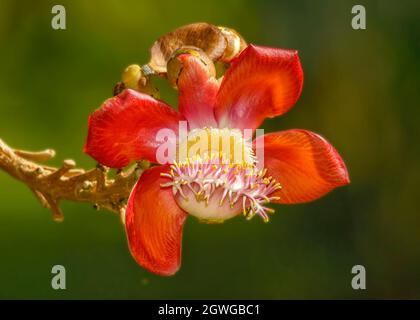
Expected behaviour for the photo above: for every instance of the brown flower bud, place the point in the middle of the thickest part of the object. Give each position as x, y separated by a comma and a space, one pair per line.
234, 44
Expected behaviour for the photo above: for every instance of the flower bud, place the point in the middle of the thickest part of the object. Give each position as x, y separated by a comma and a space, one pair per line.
234, 44
138, 78
131, 76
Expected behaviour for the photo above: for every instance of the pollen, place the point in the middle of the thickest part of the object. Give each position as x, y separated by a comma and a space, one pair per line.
227, 145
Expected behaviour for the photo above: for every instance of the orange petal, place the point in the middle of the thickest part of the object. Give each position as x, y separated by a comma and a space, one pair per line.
197, 92
304, 163
262, 82
154, 224
125, 128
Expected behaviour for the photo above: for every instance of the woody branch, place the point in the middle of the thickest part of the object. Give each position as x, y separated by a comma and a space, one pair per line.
51, 185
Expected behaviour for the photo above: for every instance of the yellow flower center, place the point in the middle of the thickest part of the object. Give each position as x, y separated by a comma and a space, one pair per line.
216, 177
227, 146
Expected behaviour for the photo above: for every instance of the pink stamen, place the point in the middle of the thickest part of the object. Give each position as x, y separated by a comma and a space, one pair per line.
240, 182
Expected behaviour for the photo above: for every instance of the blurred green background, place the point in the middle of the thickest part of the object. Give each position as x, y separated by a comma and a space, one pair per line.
361, 92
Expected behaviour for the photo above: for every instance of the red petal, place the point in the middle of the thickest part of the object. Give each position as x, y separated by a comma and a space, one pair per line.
154, 224
304, 163
262, 82
197, 93
125, 127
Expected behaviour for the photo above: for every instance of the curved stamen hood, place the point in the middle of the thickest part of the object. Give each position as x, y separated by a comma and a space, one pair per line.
225, 145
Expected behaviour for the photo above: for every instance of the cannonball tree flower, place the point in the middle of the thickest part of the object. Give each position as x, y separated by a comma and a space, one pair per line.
298, 165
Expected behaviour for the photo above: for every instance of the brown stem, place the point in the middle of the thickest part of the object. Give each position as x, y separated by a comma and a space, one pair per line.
51, 185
